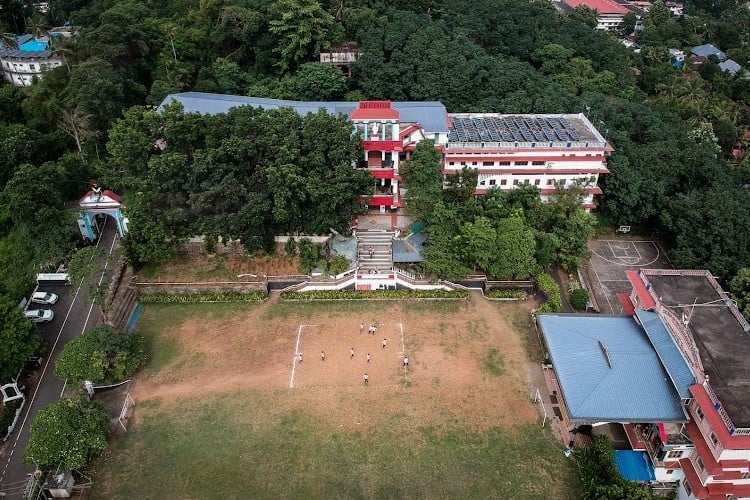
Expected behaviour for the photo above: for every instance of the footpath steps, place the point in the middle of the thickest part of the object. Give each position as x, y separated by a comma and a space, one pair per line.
381, 243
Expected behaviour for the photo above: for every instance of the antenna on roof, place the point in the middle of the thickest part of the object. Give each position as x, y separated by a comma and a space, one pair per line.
605, 351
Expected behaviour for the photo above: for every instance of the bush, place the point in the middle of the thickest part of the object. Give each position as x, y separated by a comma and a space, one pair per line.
290, 247
579, 298
549, 288
374, 294
192, 298
309, 255
505, 294
338, 264
599, 476
8, 414
100, 355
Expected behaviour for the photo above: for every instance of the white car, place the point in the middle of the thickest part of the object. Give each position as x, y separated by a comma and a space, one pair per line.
40, 315
44, 297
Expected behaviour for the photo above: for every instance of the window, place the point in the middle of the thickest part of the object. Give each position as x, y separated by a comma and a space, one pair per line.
674, 454
714, 439
670, 471
521, 163
503, 163
700, 463
550, 182
474, 163
493, 182
699, 412
463, 163
688, 489
451, 163
32, 66
745, 475
525, 181
482, 183
515, 182
503, 182
537, 182
488, 163
537, 163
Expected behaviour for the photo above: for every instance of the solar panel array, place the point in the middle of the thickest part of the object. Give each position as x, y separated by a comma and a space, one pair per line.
512, 129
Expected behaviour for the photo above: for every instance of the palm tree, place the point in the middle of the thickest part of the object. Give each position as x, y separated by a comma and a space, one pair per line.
9, 40
37, 26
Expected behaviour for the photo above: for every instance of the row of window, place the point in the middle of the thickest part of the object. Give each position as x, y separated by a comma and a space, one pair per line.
32, 67
537, 182
500, 163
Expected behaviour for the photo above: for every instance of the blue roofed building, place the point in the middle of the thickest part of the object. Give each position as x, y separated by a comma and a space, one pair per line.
608, 370
707, 50
27, 59
730, 66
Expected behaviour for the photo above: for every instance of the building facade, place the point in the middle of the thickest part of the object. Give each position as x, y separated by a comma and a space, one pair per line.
22, 64
715, 340
550, 152
702, 344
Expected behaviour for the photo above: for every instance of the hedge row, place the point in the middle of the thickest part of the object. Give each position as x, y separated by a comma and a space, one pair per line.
505, 294
374, 294
549, 288
191, 298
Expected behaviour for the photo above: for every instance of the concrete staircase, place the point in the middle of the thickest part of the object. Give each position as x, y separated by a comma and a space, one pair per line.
381, 243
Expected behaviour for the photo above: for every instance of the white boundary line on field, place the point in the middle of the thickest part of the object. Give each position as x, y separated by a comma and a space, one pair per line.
403, 352
295, 357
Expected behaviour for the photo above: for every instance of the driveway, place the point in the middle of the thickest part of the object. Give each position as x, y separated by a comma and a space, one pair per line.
74, 313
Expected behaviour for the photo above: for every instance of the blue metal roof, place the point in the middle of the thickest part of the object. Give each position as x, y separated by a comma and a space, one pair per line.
608, 370
730, 67
409, 249
669, 353
634, 465
33, 46
708, 49
431, 115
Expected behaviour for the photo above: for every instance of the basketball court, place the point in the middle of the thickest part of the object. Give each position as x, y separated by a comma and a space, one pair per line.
609, 260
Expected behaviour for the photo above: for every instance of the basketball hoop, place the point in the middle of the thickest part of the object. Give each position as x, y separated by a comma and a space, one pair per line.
623, 229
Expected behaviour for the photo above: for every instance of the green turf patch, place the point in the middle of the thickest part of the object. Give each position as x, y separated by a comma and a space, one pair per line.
493, 363
243, 445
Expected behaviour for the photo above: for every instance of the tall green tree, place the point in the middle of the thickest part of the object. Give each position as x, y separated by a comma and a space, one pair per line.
18, 339
422, 180
303, 29
67, 434
740, 288
100, 355
514, 255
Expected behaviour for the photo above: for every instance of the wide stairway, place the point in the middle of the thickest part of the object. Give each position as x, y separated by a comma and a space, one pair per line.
381, 243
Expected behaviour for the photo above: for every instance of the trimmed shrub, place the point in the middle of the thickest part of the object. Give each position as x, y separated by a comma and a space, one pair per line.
579, 298
505, 294
374, 294
192, 298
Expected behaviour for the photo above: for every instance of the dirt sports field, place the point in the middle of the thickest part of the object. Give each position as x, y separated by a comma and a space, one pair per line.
227, 409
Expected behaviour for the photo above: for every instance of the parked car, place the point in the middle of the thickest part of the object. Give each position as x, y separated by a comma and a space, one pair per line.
34, 362
44, 297
40, 315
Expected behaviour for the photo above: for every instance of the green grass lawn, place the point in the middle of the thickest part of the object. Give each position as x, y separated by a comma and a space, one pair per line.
277, 444
243, 446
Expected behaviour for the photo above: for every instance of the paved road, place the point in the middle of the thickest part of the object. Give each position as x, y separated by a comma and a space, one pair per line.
74, 313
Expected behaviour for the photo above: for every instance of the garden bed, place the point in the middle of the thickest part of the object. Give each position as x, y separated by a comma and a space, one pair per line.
375, 295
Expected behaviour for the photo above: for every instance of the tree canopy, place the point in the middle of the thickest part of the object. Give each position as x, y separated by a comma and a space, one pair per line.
18, 339
100, 355
67, 434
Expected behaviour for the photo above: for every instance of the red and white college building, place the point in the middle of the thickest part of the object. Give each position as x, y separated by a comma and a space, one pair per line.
547, 151
714, 338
